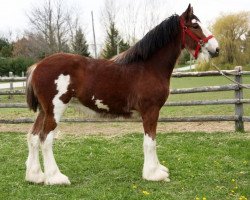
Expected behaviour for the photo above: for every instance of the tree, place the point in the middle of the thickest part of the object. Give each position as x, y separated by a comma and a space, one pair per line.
247, 47
53, 22
5, 48
32, 45
80, 45
113, 44
230, 30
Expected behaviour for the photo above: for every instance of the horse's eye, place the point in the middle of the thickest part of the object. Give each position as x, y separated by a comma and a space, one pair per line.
195, 26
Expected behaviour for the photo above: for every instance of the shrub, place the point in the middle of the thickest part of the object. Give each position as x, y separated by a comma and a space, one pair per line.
16, 65
207, 66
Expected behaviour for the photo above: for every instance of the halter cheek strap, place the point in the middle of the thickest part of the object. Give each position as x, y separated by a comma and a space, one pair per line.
200, 41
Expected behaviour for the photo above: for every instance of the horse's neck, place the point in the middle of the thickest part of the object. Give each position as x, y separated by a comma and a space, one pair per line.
165, 58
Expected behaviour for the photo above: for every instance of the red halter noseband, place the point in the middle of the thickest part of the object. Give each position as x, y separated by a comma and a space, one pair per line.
200, 42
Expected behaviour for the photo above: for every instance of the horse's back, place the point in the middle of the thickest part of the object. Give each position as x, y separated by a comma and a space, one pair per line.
60, 63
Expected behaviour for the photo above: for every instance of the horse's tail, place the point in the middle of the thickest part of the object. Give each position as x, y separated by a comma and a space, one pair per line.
31, 98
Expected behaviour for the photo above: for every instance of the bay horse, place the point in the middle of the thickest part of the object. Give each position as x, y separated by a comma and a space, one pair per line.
135, 80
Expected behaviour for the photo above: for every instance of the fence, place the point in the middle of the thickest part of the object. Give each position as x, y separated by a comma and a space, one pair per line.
238, 102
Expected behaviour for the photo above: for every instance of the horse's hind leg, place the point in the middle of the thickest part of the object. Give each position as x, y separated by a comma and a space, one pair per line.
51, 170
52, 118
33, 169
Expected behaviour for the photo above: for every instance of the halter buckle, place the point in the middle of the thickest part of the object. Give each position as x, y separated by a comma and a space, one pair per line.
202, 43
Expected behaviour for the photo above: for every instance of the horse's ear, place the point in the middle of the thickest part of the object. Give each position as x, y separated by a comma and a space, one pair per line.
187, 15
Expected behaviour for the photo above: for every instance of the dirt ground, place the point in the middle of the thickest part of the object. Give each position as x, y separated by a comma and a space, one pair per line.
117, 129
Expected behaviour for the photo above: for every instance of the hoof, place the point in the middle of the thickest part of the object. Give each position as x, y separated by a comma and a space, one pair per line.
35, 177
159, 173
57, 179
163, 168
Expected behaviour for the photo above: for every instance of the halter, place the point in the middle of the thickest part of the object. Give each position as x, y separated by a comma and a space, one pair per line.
200, 42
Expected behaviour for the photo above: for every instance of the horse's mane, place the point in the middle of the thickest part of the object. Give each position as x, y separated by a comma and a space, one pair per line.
151, 42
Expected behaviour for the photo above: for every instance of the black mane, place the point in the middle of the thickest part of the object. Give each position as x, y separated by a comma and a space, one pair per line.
155, 39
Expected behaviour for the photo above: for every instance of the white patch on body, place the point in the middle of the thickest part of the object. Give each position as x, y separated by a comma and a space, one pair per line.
152, 169
33, 169
99, 104
62, 84
51, 170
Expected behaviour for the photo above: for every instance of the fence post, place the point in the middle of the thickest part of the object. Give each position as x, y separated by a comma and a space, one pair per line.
23, 76
11, 85
239, 124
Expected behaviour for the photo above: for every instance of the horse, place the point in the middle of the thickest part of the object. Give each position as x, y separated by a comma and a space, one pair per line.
136, 80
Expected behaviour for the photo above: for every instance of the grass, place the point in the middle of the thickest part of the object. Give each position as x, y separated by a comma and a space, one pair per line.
215, 166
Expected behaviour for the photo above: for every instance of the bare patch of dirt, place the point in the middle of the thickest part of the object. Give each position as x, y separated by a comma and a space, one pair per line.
118, 129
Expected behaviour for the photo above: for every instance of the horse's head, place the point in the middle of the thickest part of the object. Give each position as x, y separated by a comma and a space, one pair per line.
197, 39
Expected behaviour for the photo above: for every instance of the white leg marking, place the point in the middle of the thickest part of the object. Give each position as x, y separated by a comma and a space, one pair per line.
51, 170
62, 84
33, 169
152, 169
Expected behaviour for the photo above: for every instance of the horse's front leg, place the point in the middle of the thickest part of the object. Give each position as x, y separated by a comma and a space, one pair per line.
152, 169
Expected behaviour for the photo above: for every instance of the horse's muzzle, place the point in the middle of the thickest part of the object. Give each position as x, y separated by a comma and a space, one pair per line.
214, 54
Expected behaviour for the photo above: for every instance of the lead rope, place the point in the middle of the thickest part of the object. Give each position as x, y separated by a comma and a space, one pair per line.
223, 74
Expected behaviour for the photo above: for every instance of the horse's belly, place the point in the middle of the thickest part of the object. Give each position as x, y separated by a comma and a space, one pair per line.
110, 106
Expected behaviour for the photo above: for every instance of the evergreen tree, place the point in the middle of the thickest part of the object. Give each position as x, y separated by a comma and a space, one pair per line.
80, 45
5, 48
112, 40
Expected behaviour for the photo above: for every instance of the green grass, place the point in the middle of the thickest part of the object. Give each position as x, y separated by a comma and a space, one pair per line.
215, 166
165, 111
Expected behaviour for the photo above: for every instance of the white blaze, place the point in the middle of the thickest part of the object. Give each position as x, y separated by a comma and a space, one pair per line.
62, 84
210, 46
212, 43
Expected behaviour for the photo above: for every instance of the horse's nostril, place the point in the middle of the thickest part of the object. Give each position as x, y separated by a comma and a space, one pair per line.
217, 50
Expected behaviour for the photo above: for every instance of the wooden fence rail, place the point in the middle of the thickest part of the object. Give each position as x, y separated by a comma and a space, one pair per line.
239, 100
175, 75
229, 87
176, 103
